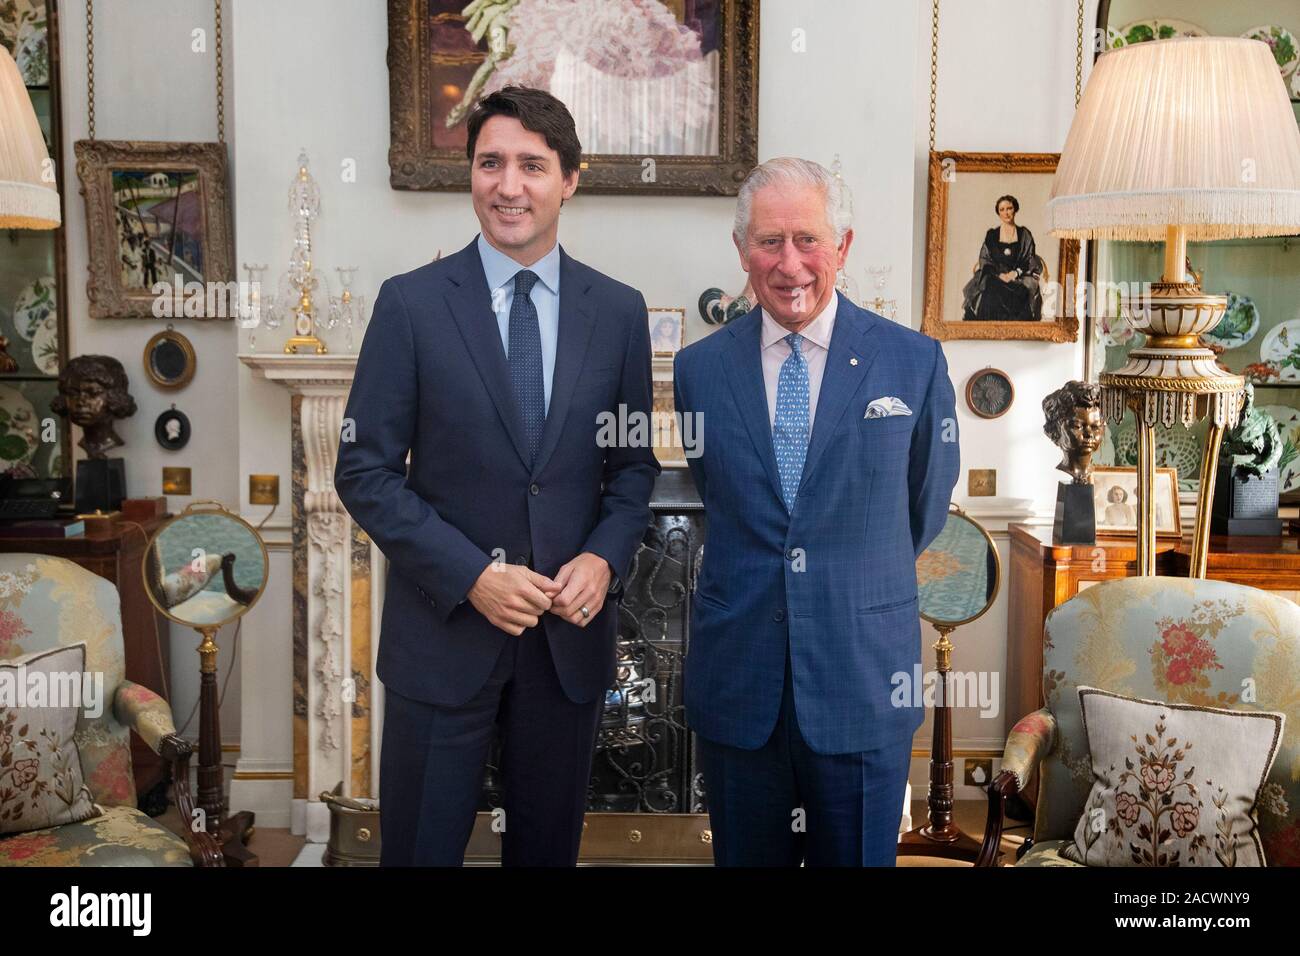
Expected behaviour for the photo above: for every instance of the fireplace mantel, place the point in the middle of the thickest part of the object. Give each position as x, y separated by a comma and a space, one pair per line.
337, 597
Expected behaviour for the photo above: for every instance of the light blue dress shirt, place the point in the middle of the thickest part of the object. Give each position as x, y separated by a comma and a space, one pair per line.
499, 270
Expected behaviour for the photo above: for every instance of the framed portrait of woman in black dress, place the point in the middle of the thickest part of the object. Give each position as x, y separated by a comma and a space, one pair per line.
992, 271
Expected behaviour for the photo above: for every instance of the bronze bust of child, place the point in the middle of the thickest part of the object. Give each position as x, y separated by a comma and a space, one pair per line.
93, 394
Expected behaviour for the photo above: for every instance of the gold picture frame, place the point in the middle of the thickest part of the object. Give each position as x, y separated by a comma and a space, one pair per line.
960, 184
1106, 478
172, 226
667, 331
434, 64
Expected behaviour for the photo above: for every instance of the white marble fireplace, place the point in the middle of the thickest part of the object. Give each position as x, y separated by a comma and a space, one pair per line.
337, 594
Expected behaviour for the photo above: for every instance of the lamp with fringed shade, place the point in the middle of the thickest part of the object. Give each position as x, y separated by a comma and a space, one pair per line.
27, 201
1189, 138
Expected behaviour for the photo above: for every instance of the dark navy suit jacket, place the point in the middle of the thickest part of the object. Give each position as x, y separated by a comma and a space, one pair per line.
836, 577
432, 379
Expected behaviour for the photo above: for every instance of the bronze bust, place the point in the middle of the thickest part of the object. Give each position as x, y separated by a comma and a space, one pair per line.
93, 394
1074, 424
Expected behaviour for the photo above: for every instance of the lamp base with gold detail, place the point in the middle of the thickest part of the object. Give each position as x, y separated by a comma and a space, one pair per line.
1173, 379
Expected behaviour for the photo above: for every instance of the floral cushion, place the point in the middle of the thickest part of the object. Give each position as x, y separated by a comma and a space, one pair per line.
1175, 784
48, 602
40, 770
120, 836
1181, 640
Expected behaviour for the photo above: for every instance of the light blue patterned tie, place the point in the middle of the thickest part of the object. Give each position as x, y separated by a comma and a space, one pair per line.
790, 430
525, 360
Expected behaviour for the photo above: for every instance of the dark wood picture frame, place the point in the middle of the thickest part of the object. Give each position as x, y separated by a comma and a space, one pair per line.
414, 163
96, 161
1065, 327
972, 401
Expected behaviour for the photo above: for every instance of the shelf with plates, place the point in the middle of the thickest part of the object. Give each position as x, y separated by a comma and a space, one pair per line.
33, 268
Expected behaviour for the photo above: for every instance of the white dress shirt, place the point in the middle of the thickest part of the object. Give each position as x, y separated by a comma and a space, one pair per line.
815, 346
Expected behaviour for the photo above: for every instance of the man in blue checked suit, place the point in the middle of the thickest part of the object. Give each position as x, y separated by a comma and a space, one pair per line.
505, 531
827, 456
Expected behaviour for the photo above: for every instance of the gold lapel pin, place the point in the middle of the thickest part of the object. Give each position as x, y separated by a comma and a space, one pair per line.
853, 361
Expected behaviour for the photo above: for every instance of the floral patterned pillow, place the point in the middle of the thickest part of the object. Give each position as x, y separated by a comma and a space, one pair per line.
1173, 784
40, 767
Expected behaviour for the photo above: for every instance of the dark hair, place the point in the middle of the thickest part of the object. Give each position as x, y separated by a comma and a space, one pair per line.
105, 371
1015, 205
538, 112
1059, 406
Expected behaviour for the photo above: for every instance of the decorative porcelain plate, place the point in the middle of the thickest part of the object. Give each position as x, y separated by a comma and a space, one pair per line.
1283, 44
1281, 349
1175, 448
1288, 423
1239, 324
1140, 31
19, 428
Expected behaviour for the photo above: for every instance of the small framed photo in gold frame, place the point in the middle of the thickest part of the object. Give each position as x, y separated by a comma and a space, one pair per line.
1114, 493
667, 331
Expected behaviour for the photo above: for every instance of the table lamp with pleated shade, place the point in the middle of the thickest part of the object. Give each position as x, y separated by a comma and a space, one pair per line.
28, 198
1185, 139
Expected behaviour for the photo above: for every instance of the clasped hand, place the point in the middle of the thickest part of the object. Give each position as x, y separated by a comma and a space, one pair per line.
513, 597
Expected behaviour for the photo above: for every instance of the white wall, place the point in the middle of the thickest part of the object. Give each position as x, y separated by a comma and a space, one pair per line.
152, 85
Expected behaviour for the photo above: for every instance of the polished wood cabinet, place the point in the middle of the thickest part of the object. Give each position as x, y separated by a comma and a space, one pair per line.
1044, 575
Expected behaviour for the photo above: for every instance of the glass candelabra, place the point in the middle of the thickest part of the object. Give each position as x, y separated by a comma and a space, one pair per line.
303, 296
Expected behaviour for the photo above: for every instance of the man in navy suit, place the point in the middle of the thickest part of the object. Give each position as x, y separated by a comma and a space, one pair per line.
826, 456
504, 534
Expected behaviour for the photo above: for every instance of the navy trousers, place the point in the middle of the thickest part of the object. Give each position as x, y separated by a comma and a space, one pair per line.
785, 804
432, 761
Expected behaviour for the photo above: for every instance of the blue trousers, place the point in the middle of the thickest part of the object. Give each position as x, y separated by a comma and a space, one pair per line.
785, 804
432, 760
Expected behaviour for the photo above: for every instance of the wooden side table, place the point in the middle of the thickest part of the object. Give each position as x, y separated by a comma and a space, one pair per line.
116, 553
1044, 576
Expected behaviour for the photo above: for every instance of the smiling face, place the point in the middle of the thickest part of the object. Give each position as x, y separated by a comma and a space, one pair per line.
517, 187
791, 254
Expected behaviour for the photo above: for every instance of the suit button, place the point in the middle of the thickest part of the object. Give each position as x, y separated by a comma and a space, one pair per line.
792, 553
534, 489
521, 559
778, 616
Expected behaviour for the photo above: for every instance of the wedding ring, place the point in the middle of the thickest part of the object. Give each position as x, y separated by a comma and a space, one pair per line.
585, 613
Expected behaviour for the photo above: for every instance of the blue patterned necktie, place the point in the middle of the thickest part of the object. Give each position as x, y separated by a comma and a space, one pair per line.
790, 430
526, 361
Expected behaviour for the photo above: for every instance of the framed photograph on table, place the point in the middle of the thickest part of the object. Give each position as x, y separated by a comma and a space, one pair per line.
991, 269
664, 93
157, 218
667, 331
1114, 493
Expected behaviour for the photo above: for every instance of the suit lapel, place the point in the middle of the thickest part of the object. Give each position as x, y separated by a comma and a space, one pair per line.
577, 320
745, 373
470, 304
850, 340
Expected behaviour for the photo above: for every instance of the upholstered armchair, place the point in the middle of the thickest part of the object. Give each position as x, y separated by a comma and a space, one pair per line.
1177, 640
47, 602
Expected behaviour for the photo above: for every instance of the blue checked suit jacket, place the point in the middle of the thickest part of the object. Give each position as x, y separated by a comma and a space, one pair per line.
432, 379
836, 577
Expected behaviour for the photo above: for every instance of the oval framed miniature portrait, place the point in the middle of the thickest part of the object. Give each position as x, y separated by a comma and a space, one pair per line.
989, 393
172, 429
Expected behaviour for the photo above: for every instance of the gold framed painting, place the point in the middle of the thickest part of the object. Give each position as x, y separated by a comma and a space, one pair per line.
158, 227
667, 331
664, 93
1114, 496
991, 270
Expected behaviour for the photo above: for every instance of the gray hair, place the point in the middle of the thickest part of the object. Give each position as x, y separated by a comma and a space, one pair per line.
790, 171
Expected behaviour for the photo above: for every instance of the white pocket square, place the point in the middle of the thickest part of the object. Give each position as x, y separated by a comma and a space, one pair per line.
886, 406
